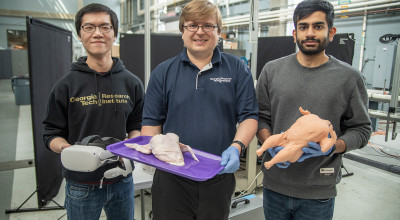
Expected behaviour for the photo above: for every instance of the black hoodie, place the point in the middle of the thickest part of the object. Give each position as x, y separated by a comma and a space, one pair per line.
85, 102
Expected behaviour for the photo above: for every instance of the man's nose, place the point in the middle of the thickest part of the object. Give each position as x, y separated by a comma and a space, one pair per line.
97, 30
310, 31
200, 29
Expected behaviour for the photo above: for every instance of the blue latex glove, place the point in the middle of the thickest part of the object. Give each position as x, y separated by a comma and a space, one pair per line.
230, 159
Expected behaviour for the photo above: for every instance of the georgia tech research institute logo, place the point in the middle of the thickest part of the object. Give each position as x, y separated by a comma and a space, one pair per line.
221, 80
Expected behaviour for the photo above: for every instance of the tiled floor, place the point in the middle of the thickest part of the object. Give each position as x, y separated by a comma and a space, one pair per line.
369, 194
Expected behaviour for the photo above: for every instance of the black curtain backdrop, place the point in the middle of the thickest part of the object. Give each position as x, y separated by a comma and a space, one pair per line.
342, 47
50, 57
271, 48
163, 47
5, 64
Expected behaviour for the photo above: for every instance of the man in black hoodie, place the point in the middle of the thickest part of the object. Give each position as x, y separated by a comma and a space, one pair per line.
98, 97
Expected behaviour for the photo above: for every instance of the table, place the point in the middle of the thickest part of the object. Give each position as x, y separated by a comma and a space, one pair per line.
142, 180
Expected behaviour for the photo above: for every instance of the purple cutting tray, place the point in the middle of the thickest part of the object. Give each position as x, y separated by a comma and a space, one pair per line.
208, 166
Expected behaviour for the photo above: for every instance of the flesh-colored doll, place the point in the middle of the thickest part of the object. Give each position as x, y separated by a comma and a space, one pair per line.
307, 128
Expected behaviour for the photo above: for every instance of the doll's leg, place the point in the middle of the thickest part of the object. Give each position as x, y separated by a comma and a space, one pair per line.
272, 141
288, 153
328, 142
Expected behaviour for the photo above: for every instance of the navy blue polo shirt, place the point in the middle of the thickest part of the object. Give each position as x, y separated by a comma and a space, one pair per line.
202, 107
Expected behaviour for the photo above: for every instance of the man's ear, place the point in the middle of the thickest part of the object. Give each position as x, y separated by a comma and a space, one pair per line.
332, 33
294, 35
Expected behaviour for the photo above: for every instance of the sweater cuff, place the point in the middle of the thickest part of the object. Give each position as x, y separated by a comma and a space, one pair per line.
350, 141
262, 125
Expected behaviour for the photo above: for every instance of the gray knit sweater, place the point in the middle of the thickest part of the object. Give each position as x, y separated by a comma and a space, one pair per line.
334, 91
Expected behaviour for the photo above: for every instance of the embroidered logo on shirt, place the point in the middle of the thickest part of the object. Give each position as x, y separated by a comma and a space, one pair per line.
221, 80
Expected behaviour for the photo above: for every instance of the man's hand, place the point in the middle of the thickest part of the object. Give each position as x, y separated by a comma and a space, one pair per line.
63, 146
230, 159
58, 144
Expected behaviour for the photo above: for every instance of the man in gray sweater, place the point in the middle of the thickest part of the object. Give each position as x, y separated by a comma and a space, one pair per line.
325, 86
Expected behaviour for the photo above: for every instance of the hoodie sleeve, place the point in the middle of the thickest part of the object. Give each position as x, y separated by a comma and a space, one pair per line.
55, 122
134, 121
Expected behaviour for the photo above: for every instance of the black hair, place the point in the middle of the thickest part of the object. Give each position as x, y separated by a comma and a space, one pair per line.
92, 8
307, 7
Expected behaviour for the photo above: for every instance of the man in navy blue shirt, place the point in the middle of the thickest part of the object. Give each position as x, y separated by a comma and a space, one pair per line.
200, 95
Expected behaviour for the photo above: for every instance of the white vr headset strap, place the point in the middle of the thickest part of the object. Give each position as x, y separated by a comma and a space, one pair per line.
117, 171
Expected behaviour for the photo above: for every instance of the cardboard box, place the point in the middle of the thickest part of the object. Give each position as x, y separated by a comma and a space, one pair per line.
115, 50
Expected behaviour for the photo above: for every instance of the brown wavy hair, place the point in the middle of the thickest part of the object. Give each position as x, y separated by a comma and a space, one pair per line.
200, 10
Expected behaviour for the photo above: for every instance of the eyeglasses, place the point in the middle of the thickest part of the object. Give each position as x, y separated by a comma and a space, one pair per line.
90, 28
194, 28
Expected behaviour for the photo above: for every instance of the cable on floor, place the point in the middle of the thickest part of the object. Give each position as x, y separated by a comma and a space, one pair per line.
244, 191
376, 146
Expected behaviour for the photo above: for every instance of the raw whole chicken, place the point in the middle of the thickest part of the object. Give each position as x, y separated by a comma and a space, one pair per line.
166, 148
307, 128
